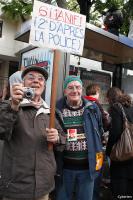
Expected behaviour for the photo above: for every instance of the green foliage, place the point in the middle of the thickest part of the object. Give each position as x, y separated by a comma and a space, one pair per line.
16, 9
73, 5
125, 6
114, 3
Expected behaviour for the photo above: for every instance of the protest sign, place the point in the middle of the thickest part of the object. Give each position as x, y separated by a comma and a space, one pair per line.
57, 28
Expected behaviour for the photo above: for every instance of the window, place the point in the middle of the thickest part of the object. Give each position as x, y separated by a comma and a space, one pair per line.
1, 24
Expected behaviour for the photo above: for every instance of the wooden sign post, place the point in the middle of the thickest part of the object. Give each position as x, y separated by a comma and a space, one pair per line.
53, 93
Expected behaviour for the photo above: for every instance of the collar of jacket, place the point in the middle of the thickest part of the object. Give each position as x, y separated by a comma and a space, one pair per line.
43, 109
90, 98
61, 104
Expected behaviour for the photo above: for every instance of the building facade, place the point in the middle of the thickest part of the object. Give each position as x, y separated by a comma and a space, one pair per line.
9, 50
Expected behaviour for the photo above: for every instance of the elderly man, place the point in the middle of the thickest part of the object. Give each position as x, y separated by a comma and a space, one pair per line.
28, 166
83, 155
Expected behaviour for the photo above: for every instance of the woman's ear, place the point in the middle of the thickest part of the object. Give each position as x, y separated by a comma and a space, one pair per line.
97, 94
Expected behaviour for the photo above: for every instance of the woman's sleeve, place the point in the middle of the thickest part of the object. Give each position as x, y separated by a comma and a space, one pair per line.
115, 128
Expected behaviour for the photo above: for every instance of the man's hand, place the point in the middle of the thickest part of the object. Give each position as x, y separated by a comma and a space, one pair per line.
16, 95
52, 135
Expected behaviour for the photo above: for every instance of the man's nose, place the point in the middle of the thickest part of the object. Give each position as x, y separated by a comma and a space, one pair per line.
36, 79
74, 89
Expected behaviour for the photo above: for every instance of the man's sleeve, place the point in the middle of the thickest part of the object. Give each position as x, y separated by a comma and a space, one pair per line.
62, 136
8, 118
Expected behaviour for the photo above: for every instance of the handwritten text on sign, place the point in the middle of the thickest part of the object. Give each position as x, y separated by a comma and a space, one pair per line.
57, 28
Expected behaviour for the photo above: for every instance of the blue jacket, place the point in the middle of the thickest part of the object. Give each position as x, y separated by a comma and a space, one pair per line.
93, 130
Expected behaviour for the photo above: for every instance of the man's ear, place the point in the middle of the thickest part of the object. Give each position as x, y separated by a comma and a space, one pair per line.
44, 88
64, 92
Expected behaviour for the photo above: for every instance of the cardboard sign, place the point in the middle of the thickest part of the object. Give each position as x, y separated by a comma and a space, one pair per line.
57, 28
41, 57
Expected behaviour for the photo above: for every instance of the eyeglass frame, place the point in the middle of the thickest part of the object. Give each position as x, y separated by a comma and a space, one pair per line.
77, 87
33, 77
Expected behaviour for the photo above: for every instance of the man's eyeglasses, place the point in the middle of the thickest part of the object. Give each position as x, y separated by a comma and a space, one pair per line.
31, 77
77, 87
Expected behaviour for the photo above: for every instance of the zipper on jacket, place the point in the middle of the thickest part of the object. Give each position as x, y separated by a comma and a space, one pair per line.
59, 114
97, 132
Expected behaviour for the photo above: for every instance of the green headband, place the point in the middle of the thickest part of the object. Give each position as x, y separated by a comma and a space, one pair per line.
71, 78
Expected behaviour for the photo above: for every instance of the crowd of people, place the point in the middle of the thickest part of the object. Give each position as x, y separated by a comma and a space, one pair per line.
72, 169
